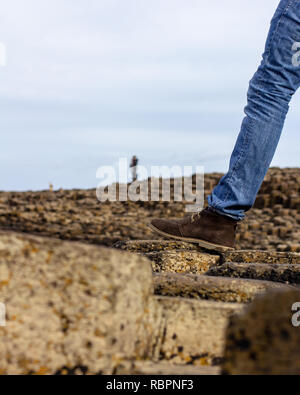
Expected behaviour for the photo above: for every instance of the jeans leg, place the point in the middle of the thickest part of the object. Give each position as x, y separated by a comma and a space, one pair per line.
269, 94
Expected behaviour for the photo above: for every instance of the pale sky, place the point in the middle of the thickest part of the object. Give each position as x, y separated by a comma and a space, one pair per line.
89, 81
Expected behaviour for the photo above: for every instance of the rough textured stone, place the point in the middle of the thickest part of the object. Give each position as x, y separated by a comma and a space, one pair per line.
263, 340
73, 305
146, 246
211, 288
274, 223
182, 261
172, 256
163, 368
272, 272
254, 256
194, 330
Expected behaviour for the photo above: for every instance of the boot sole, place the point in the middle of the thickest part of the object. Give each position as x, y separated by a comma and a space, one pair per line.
201, 243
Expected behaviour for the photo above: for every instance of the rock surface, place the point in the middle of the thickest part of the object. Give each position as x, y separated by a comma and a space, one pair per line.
256, 256
263, 340
230, 290
173, 257
164, 368
194, 330
148, 246
73, 305
79, 309
271, 272
182, 261
273, 224
74, 308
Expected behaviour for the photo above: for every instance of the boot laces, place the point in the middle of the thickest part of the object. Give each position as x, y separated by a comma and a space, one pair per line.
195, 216
198, 214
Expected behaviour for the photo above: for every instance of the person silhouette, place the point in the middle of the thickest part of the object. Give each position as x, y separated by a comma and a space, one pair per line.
133, 165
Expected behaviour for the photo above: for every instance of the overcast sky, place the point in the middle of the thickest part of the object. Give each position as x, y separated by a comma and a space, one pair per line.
89, 81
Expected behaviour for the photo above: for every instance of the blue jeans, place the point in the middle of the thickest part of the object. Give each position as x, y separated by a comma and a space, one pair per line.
270, 91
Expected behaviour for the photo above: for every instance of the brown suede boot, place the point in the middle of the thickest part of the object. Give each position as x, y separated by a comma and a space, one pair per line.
206, 228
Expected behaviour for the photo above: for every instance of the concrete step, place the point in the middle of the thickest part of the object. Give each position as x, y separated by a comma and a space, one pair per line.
212, 288
194, 330
165, 368
284, 273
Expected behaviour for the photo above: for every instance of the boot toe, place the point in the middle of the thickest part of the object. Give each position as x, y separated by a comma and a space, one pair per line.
166, 226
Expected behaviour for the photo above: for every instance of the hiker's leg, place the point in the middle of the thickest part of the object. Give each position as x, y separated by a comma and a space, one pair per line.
270, 92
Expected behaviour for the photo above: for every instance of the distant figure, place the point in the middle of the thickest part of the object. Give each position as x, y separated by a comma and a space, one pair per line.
133, 166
